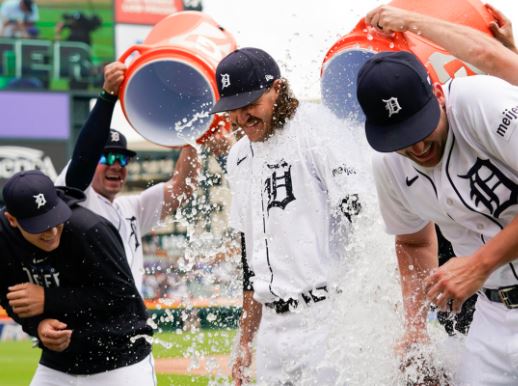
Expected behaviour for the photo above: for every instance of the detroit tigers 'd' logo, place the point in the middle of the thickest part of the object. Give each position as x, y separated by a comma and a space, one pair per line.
490, 187
278, 186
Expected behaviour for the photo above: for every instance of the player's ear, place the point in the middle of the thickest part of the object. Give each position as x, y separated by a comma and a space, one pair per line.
11, 219
439, 93
277, 85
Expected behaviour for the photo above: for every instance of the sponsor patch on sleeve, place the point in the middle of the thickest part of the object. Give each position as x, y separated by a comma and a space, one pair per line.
507, 123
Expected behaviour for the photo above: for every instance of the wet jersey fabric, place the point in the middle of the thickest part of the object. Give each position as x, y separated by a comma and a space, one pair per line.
294, 197
88, 285
473, 193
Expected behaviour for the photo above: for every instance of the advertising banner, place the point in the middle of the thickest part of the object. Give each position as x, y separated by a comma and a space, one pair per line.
48, 156
151, 11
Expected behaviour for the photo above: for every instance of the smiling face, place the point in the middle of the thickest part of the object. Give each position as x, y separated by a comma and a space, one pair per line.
429, 151
256, 118
109, 180
47, 241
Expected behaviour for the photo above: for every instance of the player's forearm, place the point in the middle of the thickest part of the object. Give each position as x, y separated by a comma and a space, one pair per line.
180, 187
415, 261
250, 318
90, 143
467, 44
500, 250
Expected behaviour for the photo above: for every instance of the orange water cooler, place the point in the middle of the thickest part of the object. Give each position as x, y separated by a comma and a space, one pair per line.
170, 86
343, 61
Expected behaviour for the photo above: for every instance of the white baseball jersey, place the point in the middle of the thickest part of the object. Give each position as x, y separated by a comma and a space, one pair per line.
287, 193
133, 215
472, 193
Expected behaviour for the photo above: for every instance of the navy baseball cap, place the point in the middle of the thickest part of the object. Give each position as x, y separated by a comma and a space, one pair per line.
396, 95
242, 77
28, 4
31, 197
117, 143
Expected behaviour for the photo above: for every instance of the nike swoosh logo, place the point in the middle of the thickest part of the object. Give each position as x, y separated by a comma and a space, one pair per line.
37, 261
410, 181
242, 159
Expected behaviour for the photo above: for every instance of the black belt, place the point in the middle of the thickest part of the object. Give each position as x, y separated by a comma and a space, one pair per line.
506, 295
281, 306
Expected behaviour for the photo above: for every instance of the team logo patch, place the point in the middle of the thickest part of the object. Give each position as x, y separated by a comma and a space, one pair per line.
278, 186
115, 137
392, 106
225, 81
40, 200
490, 187
351, 206
268, 77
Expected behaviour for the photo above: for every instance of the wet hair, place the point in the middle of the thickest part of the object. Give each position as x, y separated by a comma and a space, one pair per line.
285, 105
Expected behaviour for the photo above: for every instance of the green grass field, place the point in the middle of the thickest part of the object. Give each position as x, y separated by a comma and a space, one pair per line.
18, 359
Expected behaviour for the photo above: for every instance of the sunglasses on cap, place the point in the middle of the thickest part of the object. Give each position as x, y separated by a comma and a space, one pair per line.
110, 158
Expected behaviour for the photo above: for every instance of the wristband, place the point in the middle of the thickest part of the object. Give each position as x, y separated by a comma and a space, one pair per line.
107, 96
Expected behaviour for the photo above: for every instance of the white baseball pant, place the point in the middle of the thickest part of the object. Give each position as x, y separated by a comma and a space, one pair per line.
291, 346
141, 373
491, 356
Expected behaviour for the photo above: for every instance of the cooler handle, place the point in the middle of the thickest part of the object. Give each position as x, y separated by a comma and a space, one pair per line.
140, 48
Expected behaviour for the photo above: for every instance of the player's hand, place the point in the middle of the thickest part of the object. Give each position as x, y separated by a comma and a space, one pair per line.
389, 19
418, 369
113, 77
241, 366
451, 284
501, 28
26, 299
54, 335
412, 338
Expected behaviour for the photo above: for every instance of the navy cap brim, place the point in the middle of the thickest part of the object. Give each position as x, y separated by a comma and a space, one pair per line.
38, 224
389, 138
233, 102
120, 150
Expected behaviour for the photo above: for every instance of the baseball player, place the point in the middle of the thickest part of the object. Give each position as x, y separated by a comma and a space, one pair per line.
294, 195
447, 155
98, 167
90, 320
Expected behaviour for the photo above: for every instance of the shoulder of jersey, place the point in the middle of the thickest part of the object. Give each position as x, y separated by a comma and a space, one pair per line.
238, 153
83, 219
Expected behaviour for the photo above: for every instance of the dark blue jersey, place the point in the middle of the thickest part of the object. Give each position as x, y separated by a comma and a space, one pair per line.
88, 285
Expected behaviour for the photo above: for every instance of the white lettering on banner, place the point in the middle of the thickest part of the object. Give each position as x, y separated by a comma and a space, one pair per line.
15, 159
161, 7
439, 61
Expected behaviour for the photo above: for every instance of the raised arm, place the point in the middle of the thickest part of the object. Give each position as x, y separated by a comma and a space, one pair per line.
466, 43
95, 131
183, 182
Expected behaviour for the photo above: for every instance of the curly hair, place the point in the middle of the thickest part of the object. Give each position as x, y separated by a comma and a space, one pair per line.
285, 105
